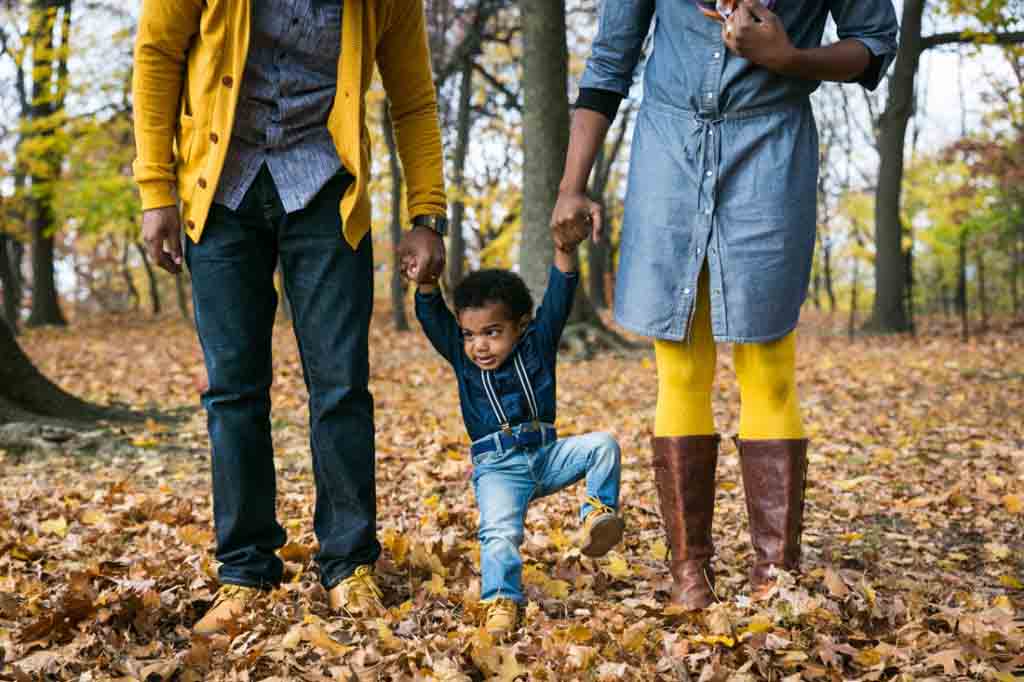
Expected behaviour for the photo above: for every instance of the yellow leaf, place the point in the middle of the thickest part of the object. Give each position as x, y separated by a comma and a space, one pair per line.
1011, 582
436, 586
958, 556
387, 637
432, 501
727, 485
998, 550
758, 624
635, 637
715, 639
851, 537
995, 480
1013, 503
617, 567
659, 552
144, 442
884, 455
318, 637
91, 517
580, 634
556, 589
868, 658
559, 539
57, 526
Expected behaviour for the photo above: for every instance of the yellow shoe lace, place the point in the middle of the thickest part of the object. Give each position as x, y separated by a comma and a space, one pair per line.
502, 608
598, 507
235, 592
361, 585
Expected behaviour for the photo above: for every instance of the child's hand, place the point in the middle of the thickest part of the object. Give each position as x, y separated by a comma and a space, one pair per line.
574, 219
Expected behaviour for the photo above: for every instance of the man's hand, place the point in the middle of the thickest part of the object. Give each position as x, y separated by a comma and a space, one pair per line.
421, 255
757, 34
161, 233
574, 219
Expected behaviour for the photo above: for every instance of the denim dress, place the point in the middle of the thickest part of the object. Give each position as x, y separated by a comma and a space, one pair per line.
724, 164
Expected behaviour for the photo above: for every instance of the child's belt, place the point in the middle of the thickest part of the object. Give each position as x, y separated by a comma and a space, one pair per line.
529, 435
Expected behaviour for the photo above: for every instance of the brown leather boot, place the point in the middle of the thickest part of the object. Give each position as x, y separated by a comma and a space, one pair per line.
684, 472
774, 478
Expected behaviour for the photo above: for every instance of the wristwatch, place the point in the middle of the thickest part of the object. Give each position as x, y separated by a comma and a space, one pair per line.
436, 222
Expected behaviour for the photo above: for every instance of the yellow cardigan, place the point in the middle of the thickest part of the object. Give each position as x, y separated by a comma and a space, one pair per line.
189, 60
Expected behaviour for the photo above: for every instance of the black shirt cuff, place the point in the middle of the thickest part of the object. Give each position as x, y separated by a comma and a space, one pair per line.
602, 101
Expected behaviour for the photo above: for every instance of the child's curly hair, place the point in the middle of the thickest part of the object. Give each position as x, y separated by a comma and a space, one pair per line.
479, 288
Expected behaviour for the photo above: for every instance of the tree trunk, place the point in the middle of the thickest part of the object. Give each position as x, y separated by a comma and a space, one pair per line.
126, 274
154, 289
1015, 259
179, 287
888, 313
397, 286
826, 257
24, 391
961, 286
852, 327
48, 93
456, 239
545, 132
982, 292
9, 285
909, 270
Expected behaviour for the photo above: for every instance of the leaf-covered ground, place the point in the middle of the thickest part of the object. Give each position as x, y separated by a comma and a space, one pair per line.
914, 553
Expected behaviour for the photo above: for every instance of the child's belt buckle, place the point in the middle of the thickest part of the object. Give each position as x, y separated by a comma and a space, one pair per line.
531, 426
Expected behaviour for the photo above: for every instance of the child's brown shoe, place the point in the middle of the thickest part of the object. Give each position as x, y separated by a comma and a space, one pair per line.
602, 529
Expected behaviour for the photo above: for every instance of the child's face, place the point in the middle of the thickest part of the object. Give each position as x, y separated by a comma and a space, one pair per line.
489, 334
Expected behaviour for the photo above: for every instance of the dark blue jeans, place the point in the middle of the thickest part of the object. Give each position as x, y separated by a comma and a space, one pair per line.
330, 288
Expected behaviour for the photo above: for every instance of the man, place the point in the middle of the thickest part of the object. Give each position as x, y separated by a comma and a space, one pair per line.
250, 128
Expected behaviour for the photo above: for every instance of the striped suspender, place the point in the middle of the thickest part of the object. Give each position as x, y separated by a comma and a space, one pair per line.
524, 381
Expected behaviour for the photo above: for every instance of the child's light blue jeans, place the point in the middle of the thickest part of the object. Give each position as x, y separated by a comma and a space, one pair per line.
507, 480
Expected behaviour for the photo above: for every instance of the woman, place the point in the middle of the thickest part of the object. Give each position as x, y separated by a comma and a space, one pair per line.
718, 235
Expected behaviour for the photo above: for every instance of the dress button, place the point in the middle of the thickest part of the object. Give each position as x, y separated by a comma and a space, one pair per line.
709, 95
191, 224
686, 292
214, 138
717, 55
709, 174
202, 183
707, 211
228, 81
698, 250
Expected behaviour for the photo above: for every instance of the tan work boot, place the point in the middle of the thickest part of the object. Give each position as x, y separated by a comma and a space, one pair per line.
230, 603
602, 529
502, 618
357, 595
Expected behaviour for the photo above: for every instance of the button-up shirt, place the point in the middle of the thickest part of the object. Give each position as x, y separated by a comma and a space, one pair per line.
287, 91
522, 389
724, 164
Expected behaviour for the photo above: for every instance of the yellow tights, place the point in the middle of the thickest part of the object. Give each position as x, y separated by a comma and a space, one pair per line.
769, 408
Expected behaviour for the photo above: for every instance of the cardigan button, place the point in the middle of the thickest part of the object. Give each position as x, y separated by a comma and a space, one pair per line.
228, 81
213, 138
191, 224
202, 183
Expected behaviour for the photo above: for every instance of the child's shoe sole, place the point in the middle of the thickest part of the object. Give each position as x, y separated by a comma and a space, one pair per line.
604, 534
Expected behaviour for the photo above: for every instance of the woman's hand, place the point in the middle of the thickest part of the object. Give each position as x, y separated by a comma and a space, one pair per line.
575, 218
757, 34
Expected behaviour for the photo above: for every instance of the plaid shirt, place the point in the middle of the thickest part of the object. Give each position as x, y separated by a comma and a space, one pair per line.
287, 91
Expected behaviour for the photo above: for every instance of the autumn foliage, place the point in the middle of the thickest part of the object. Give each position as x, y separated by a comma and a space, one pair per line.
913, 549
